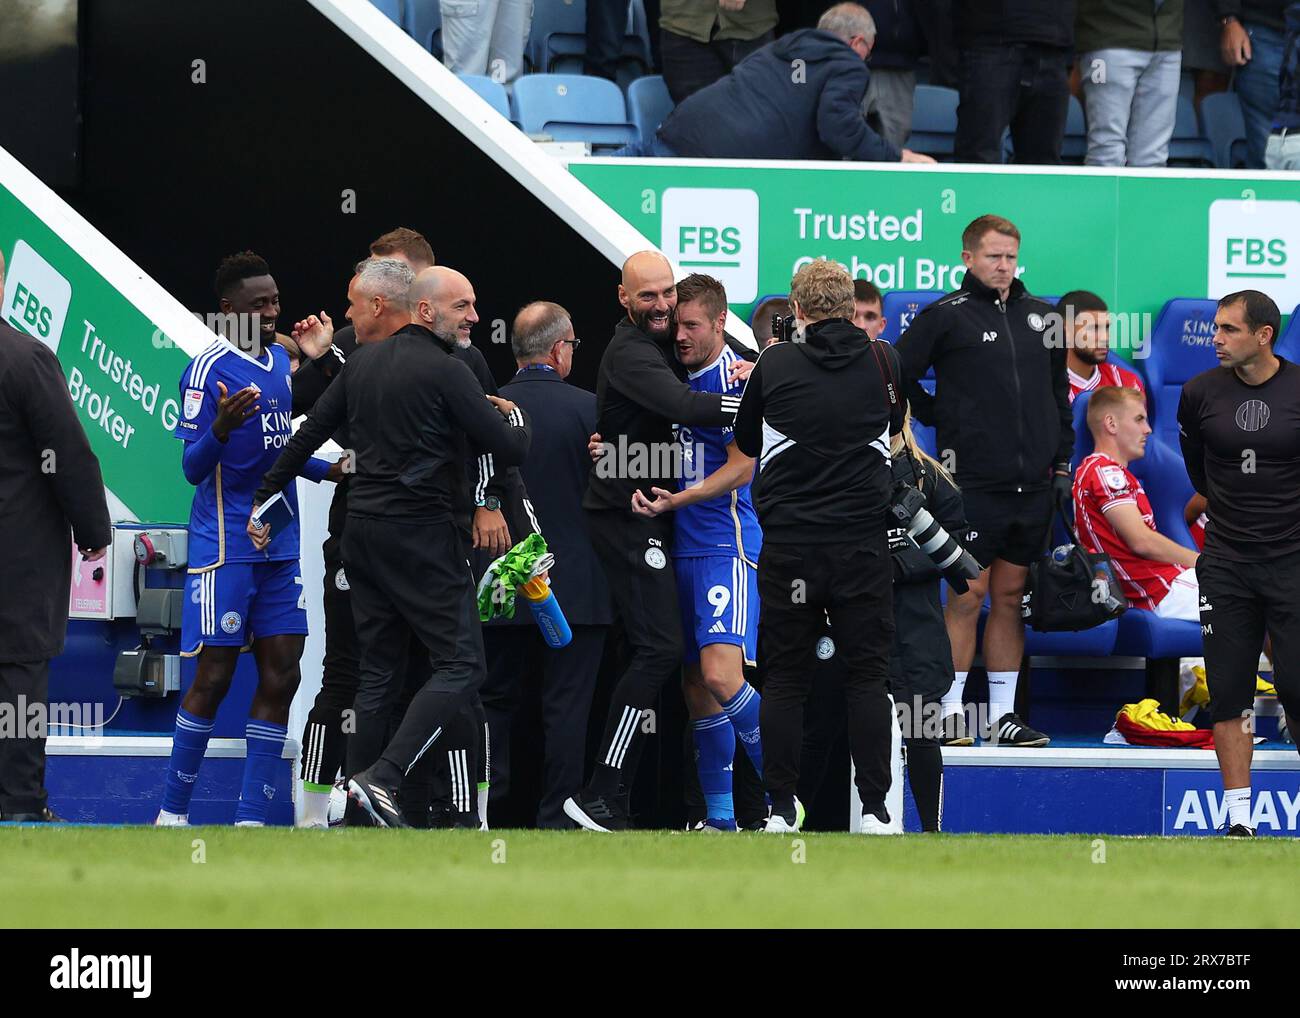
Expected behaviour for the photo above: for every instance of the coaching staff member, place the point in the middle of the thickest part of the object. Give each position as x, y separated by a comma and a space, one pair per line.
556, 475
640, 394
818, 414
408, 405
49, 484
1239, 425
1001, 411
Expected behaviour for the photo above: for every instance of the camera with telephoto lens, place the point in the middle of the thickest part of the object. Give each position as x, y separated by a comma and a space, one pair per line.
783, 328
955, 563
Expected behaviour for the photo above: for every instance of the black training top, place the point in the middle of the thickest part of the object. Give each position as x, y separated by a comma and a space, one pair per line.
1241, 444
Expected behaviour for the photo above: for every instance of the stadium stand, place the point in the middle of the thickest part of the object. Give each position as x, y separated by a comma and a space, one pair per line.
559, 30
392, 10
1224, 127
572, 107
493, 91
423, 23
1187, 147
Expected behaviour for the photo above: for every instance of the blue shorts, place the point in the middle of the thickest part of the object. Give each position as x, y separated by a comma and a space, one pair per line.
718, 595
231, 605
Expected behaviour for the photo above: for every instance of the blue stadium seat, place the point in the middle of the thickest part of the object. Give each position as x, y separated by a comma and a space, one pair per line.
648, 103
1223, 125
572, 107
1288, 345
925, 433
1187, 147
1182, 345
899, 308
493, 91
1099, 641
568, 53
934, 121
423, 23
392, 9
1053, 300
1146, 634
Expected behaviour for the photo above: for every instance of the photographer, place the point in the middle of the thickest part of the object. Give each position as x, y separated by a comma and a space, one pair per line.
920, 668
817, 415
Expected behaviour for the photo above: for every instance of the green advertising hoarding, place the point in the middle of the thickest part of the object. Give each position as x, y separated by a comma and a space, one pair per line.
122, 368
1137, 239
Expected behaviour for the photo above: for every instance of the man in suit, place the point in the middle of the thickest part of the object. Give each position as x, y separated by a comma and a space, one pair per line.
49, 484
555, 475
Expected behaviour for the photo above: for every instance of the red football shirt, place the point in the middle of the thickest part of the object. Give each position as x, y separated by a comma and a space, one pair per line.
1100, 484
1197, 530
1106, 374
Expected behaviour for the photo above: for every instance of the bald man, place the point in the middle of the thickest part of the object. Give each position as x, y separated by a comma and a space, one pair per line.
641, 392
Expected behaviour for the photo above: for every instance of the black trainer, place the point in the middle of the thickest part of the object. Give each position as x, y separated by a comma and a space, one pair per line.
1011, 731
44, 816
1239, 831
604, 813
378, 800
954, 731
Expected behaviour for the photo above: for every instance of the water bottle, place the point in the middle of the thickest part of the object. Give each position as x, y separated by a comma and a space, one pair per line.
547, 613
1061, 553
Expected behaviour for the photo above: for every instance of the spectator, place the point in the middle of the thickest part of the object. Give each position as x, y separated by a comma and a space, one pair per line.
1251, 42
1112, 513
867, 314
556, 474
797, 98
1014, 72
892, 89
1130, 55
1202, 57
1283, 152
761, 320
607, 22
1087, 323
486, 36
51, 492
702, 40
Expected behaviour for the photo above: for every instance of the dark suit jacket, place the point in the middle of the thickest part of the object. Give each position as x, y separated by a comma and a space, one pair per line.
49, 483
555, 474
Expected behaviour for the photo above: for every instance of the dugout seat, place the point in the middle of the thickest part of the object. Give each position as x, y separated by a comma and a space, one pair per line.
899, 308
1288, 344
1182, 345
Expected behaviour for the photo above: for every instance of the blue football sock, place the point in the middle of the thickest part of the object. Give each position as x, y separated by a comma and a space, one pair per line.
743, 711
715, 749
189, 743
264, 742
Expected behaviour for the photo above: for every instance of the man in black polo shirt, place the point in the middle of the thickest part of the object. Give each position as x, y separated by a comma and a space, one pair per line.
1239, 425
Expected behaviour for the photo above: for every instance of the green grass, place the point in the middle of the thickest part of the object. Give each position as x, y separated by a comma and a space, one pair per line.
133, 876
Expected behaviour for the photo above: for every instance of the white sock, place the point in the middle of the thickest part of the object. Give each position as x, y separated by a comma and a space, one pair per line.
1238, 802
952, 700
315, 807
1002, 694
483, 789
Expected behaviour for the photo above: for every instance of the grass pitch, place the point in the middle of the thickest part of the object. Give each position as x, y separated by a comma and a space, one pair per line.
223, 877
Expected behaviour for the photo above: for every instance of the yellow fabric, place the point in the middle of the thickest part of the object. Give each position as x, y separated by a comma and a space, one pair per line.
1147, 714
1199, 694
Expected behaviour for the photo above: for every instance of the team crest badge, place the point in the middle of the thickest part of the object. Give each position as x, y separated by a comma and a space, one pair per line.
230, 622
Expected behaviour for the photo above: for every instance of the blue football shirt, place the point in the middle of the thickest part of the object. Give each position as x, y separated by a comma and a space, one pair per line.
224, 499
726, 525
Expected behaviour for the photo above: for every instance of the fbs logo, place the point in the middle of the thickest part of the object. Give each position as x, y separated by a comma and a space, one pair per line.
1252, 246
714, 230
36, 296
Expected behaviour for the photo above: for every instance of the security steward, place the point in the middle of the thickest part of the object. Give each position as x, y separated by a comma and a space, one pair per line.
410, 408
1001, 411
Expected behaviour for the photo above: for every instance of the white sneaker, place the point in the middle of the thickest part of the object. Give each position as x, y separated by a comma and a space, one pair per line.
777, 824
249, 823
314, 825
871, 824
165, 819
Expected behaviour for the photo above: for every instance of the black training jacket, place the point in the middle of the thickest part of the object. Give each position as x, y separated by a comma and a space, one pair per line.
1001, 408
817, 415
409, 406
641, 393
1011, 22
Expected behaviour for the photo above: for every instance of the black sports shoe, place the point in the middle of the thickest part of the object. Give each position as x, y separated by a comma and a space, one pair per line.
44, 816
378, 800
604, 813
1011, 731
1239, 831
954, 731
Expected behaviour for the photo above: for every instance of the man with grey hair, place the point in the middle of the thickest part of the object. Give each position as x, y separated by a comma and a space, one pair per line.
556, 475
377, 298
799, 97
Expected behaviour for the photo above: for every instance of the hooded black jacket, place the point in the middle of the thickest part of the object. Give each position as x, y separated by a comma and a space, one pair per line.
770, 107
817, 415
1002, 398
641, 393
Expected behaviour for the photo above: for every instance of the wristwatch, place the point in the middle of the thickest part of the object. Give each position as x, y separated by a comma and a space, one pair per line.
491, 504
1223, 22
